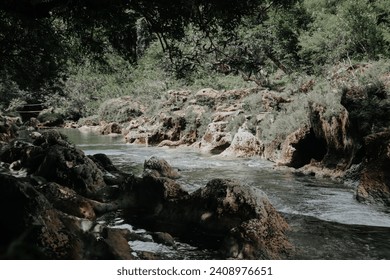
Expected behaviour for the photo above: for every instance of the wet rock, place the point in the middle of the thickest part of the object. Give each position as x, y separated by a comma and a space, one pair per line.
112, 175
163, 238
118, 244
53, 158
29, 218
148, 195
68, 201
70, 167
42, 223
159, 167
239, 220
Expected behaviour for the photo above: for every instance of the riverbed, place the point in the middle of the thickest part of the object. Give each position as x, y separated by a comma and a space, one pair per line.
326, 220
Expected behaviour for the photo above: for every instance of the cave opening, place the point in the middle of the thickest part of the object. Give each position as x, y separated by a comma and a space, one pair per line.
310, 147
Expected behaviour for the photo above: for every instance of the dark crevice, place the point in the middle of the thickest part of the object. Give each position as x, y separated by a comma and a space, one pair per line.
310, 147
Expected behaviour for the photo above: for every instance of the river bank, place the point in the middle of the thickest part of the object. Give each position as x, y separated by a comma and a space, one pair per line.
326, 222
335, 128
321, 213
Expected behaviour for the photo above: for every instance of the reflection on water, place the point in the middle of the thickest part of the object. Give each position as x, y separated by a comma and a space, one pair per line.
304, 196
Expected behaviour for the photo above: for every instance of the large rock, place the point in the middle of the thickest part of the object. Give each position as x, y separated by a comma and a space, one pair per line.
145, 197
237, 219
110, 128
159, 167
71, 167
216, 139
53, 158
302, 147
52, 222
30, 223
374, 183
244, 144
8, 128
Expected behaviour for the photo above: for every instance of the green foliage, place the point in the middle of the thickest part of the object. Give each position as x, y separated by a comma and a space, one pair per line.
235, 122
253, 103
342, 30
197, 121
277, 125
326, 95
119, 110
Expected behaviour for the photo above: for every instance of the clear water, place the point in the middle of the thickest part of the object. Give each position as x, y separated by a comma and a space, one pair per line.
320, 204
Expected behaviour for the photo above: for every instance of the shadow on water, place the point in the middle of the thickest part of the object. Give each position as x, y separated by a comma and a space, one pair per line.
316, 239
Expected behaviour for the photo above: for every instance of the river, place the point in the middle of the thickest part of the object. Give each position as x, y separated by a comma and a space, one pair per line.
326, 220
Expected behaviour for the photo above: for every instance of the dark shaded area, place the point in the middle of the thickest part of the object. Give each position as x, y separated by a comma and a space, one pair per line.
316, 239
310, 147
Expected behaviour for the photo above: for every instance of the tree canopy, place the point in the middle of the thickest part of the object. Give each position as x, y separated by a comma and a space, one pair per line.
39, 37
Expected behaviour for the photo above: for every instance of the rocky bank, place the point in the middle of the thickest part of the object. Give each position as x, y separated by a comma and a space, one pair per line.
315, 131
54, 199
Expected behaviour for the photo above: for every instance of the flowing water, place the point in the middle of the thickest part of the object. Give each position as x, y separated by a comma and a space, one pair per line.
326, 220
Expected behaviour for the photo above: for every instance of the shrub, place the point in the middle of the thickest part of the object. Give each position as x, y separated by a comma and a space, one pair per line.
119, 110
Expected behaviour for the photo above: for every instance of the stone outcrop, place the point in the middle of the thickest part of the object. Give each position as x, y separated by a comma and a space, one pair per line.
236, 219
32, 228
216, 139
8, 128
374, 183
340, 145
48, 211
159, 167
110, 128
244, 144
65, 192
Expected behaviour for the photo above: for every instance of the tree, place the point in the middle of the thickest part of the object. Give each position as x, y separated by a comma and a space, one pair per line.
38, 38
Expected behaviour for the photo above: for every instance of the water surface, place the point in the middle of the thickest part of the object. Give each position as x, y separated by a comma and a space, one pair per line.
327, 221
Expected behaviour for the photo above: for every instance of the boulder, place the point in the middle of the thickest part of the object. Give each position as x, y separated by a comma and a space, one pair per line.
30, 223
374, 186
110, 128
53, 158
53, 222
145, 197
244, 144
237, 219
163, 238
68, 201
216, 139
117, 243
8, 128
159, 167
70, 167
